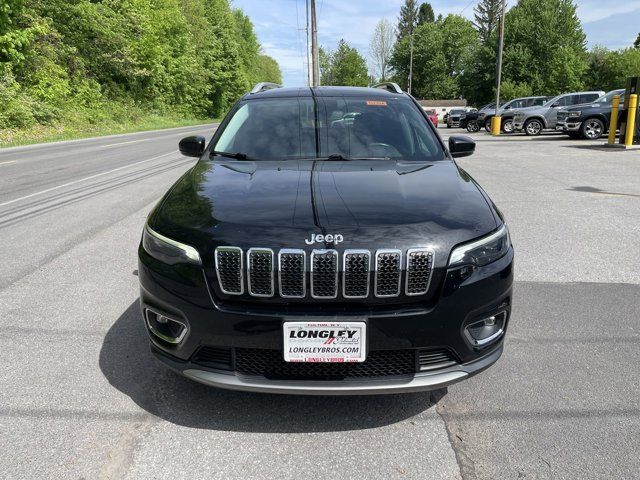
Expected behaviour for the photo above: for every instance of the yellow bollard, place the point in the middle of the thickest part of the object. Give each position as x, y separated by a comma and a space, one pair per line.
495, 125
631, 119
613, 123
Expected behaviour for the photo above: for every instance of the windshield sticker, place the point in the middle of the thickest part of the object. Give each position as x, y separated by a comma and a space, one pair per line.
377, 103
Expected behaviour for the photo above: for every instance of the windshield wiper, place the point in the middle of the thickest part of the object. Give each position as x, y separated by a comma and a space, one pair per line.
237, 156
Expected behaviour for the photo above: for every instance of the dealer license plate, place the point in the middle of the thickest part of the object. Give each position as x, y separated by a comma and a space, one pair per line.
325, 341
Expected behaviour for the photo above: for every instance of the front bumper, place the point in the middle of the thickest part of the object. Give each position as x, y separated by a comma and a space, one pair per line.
250, 383
459, 302
568, 126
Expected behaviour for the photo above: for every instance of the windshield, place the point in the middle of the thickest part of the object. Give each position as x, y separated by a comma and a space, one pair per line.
346, 127
608, 98
456, 112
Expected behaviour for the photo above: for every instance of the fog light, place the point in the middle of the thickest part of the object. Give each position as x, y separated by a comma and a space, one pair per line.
486, 331
165, 328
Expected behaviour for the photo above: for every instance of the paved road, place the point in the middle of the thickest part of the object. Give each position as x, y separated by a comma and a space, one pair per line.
82, 398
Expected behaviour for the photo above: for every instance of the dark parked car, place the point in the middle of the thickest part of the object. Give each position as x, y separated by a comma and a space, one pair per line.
453, 117
305, 255
590, 120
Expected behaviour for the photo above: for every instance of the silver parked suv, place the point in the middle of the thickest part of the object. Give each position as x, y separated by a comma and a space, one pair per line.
535, 119
485, 116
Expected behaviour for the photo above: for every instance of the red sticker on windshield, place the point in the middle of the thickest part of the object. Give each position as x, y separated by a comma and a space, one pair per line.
377, 103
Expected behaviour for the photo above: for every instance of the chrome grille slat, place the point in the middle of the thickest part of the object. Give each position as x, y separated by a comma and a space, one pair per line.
388, 273
356, 265
229, 270
419, 269
324, 273
292, 273
260, 272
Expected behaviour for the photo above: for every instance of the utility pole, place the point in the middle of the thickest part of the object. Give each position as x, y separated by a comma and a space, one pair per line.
410, 64
314, 45
308, 52
495, 124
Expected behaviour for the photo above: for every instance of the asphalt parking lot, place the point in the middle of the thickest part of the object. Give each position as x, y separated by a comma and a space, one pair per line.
82, 397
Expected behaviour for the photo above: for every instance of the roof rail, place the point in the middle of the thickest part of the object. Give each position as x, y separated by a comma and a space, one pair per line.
262, 86
389, 86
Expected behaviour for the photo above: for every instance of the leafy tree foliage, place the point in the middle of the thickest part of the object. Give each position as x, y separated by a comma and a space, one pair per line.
89, 60
345, 66
545, 46
487, 17
636, 44
408, 19
441, 53
609, 70
425, 14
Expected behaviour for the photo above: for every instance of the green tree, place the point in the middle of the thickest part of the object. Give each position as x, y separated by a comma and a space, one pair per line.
545, 46
268, 70
345, 66
408, 19
486, 18
425, 14
441, 53
609, 70
636, 44
99, 61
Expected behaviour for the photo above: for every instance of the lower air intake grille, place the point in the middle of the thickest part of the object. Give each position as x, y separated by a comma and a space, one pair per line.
434, 359
324, 274
388, 263
260, 272
229, 270
419, 267
270, 364
214, 357
292, 273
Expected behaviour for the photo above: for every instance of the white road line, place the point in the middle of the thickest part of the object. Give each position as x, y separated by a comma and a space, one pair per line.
7, 163
125, 143
84, 179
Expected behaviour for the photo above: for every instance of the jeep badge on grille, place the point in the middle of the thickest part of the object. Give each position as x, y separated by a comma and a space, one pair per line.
337, 238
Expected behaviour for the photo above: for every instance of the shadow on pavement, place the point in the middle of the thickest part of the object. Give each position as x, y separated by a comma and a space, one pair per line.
128, 365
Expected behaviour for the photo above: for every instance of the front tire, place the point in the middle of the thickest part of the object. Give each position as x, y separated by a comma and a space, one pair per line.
487, 125
592, 128
507, 126
533, 127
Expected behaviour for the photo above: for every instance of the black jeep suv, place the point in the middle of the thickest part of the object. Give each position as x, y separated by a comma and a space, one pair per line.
307, 254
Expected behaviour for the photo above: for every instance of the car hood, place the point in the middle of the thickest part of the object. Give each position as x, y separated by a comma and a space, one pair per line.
279, 204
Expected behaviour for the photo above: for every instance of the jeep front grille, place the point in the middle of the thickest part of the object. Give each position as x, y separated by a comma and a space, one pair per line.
328, 275
292, 273
229, 270
419, 268
324, 274
388, 271
355, 273
260, 272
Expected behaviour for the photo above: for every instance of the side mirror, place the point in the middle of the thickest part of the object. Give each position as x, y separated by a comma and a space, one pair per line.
192, 146
508, 107
555, 105
460, 146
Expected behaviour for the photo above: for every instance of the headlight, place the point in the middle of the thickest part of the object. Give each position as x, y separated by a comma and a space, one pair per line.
574, 114
483, 251
167, 250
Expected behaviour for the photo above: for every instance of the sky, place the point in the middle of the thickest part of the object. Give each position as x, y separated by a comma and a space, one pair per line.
279, 25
